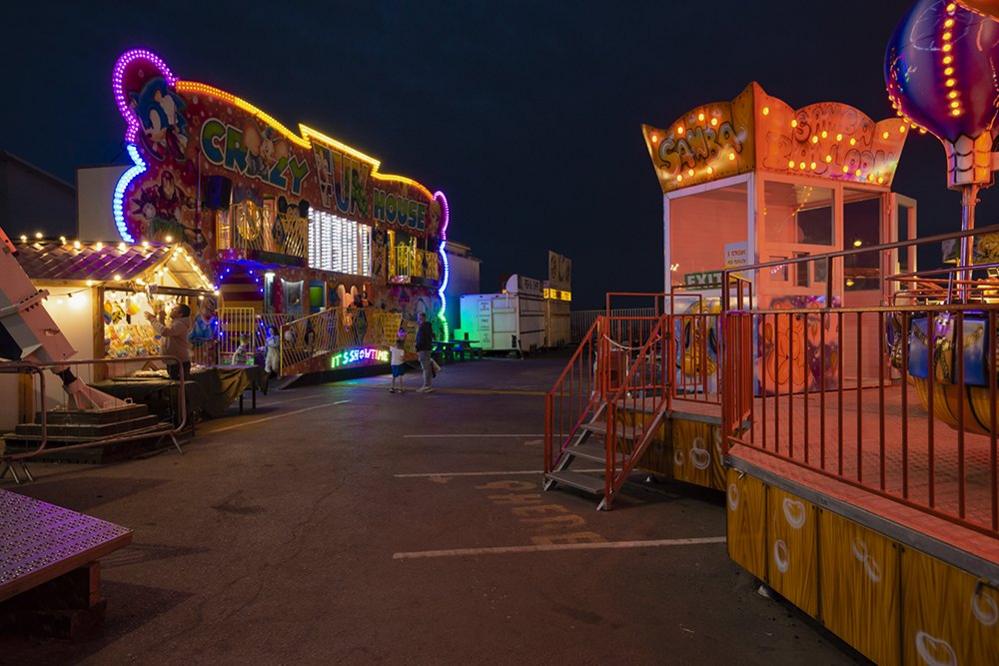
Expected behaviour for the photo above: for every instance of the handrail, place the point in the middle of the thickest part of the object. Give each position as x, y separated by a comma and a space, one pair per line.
574, 357
614, 479
572, 396
938, 238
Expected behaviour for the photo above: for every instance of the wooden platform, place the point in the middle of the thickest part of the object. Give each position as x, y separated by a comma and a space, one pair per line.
40, 542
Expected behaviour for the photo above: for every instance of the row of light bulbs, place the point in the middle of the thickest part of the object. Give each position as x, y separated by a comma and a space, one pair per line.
803, 166
178, 252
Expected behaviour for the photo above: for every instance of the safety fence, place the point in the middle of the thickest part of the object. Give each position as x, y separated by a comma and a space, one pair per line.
897, 398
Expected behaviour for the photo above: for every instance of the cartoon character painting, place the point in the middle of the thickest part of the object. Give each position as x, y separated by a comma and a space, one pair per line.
164, 126
160, 206
165, 209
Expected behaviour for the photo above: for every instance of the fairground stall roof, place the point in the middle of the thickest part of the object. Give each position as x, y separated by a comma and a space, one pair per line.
75, 262
759, 132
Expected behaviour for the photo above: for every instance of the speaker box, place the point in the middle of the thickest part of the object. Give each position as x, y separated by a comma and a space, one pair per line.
216, 192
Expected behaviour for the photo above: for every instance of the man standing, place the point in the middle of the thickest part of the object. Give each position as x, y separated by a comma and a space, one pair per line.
424, 345
175, 337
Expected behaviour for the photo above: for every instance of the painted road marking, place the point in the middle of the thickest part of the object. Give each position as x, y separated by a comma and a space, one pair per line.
266, 418
341, 402
452, 391
497, 473
544, 548
486, 435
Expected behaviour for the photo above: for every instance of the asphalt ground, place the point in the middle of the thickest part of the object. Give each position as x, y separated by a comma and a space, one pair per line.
344, 524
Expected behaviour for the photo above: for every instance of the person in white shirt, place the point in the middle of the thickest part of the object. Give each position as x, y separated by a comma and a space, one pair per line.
398, 356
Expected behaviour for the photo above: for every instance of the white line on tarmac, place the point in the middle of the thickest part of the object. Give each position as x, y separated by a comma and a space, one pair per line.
266, 418
496, 473
341, 402
545, 548
487, 435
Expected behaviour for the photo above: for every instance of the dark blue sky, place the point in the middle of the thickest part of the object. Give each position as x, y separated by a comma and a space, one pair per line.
527, 114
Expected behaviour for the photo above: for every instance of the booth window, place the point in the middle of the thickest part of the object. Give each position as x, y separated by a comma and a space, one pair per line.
862, 228
798, 214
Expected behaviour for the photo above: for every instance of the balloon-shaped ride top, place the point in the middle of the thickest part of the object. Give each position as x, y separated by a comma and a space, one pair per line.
942, 73
940, 70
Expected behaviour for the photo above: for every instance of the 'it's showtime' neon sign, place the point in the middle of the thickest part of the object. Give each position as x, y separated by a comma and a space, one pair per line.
359, 355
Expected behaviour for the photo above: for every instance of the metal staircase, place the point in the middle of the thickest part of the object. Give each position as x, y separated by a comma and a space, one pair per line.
608, 404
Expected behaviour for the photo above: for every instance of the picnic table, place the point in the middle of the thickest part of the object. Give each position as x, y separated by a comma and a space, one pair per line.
456, 350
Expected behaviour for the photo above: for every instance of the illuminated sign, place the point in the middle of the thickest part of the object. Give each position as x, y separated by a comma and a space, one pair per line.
756, 131
196, 149
557, 294
399, 211
704, 280
359, 356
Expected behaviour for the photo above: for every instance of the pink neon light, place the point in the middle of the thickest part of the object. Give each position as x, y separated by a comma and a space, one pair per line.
118, 85
446, 210
446, 213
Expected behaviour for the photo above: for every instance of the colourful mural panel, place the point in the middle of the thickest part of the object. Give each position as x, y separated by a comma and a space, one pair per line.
198, 150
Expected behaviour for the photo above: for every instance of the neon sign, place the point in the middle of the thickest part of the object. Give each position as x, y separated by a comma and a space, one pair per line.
359, 356
445, 219
187, 136
225, 146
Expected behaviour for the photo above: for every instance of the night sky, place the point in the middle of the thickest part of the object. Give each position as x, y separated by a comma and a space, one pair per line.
526, 114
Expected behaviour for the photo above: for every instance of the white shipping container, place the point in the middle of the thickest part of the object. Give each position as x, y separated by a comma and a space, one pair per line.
506, 322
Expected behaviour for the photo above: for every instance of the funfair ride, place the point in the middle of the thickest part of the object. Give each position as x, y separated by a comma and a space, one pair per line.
940, 74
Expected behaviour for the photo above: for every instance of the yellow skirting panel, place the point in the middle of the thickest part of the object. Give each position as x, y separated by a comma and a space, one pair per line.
791, 549
746, 501
697, 453
949, 617
860, 587
894, 604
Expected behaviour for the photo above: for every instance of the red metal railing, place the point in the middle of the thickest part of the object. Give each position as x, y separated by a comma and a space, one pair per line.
574, 398
898, 399
634, 411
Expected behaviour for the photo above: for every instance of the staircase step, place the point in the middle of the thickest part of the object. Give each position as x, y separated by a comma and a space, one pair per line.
85, 430
594, 451
590, 484
95, 417
623, 431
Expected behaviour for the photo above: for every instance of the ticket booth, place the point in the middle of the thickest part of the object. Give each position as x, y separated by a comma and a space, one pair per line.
753, 180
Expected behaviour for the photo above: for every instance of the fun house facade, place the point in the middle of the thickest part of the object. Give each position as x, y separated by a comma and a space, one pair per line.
291, 223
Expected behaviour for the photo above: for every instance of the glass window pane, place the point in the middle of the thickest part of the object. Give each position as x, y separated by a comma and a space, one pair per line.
798, 214
862, 228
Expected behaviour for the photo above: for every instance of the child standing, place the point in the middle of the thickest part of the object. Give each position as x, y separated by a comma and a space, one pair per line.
243, 354
272, 361
398, 355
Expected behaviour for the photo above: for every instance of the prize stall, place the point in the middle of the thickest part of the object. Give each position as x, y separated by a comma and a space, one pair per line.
101, 294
